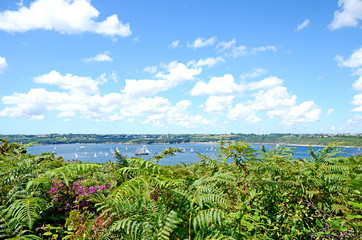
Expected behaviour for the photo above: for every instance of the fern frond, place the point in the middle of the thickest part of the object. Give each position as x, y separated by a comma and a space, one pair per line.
205, 218
170, 223
26, 210
71, 171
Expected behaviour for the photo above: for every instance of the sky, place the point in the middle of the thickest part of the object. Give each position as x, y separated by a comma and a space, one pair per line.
190, 66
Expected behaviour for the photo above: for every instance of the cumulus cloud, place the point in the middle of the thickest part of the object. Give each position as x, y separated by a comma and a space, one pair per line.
349, 14
274, 99
80, 98
146, 87
266, 83
101, 57
157, 110
304, 24
64, 16
305, 112
37, 102
243, 112
3, 64
175, 74
202, 42
178, 72
271, 98
149, 106
218, 104
217, 86
354, 61
69, 82
209, 62
357, 100
178, 115
174, 44
277, 102
357, 85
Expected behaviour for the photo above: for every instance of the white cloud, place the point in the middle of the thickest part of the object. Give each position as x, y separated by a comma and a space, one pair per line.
202, 42
357, 72
65, 16
243, 112
236, 51
269, 82
304, 24
274, 99
147, 87
354, 61
348, 16
254, 73
353, 123
357, 85
146, 106
222, 46
176, 73
177, 115
174, 44
330, 111
305, 112
231, 49
217, 86
101, 57
263, 49
357, 100
20, 3
276, 102
74, 84
218, 104
150, 69
209, 62
3, 64
239, 51
37, 102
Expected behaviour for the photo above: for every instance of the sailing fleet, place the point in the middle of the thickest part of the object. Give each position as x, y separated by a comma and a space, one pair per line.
139, 151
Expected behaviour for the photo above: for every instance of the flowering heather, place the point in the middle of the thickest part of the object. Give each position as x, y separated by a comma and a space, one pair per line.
70, 197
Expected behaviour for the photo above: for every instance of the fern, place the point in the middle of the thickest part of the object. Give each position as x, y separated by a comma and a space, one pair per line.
169, 224
26, 210
204, 219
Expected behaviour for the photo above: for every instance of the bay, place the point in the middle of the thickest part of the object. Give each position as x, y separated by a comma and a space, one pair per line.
101, 153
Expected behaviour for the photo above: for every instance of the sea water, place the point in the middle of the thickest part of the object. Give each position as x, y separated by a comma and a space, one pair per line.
101, 153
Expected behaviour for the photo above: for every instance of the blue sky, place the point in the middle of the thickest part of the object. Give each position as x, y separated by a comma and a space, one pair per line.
81, 66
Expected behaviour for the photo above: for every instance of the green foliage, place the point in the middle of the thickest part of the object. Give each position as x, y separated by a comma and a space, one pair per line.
242, 194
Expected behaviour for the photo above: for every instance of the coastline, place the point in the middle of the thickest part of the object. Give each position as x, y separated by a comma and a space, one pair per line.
209, 142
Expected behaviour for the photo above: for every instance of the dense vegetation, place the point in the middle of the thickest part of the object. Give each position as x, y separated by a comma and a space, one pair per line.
244, 194
306, 139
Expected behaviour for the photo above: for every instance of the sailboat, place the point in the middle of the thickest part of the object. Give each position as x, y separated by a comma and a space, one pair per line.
191, 150
142, 151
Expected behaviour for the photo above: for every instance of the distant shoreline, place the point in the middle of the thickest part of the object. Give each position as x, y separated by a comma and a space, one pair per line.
214, 143
315, 140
